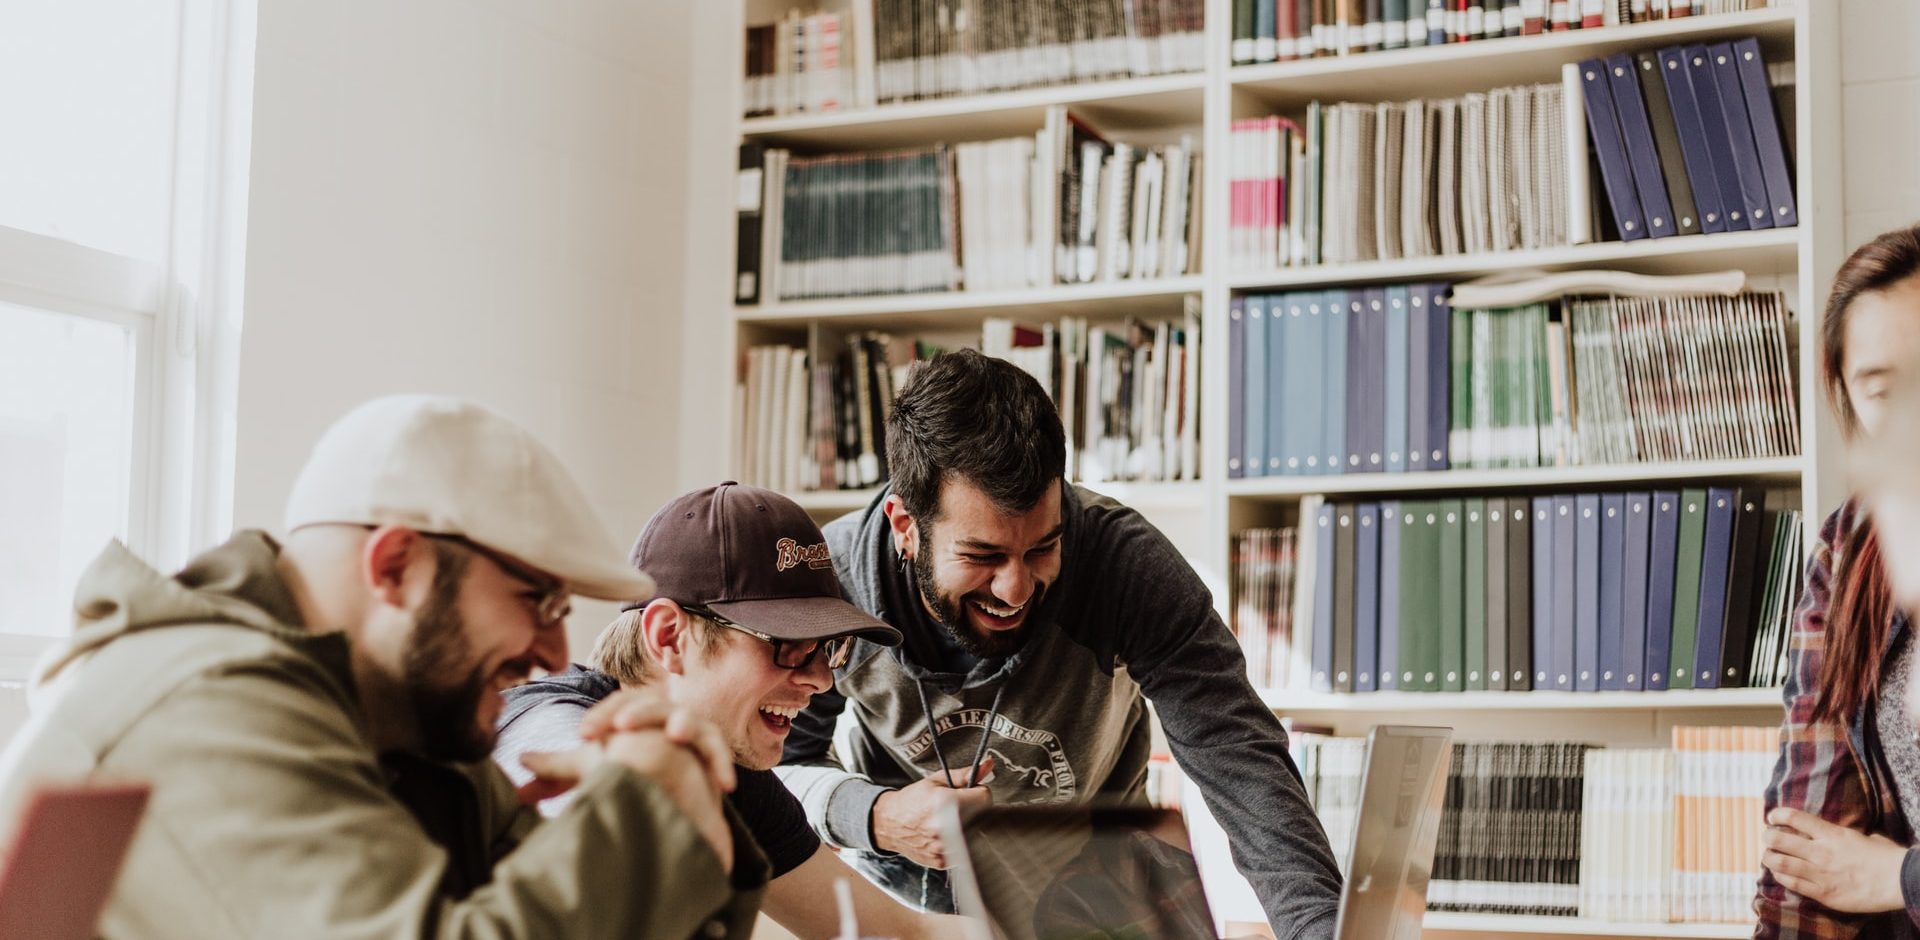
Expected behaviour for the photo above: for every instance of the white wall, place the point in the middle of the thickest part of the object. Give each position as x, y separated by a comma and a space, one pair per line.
475, 197
1880, 114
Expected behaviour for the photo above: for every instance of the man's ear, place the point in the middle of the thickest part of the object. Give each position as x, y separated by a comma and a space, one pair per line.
666, 635
905, 533
397, 565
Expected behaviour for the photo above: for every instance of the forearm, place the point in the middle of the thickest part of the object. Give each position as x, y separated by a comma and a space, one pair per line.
839, 804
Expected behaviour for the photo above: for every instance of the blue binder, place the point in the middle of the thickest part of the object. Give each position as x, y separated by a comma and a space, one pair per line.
1323, 572
1373, 358
1303, 393
1693, 139
1633, 594
1387, 671
1766, 132
1360, 385
1716, 556
1333, 434
1713, 119
1746, 156
1543, 593
1613, 510
1399, 369
1439, 374
1236, 388
1255, 431
1586, 592
1280, 410
1643, 155
1366, 597
1603, 124
1662, 558
1566, 563
1417, 381
1346, 568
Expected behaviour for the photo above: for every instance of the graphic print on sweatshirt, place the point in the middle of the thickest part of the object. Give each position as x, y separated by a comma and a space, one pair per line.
1029, 765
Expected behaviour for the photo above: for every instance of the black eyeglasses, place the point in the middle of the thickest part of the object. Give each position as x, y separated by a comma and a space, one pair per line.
790, 654
550, 598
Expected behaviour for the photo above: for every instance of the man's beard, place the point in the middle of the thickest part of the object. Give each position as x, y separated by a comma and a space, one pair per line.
952, 615
445, 711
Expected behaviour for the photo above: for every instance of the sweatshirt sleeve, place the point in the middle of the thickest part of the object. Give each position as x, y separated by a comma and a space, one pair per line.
1163, 628
269, 810
839, 803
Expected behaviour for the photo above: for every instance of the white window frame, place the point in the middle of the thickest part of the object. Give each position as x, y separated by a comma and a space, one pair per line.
183, 312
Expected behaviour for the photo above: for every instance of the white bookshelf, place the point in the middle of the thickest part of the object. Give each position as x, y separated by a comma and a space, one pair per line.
1202, 516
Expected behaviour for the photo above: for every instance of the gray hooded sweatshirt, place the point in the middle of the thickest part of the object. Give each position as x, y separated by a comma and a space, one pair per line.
1127, 621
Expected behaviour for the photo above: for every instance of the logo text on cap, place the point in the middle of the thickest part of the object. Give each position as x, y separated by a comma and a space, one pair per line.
792, 555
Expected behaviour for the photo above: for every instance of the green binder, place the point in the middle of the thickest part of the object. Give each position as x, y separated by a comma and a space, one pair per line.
1686, 587
1419, 588
1452, 608
1474, 599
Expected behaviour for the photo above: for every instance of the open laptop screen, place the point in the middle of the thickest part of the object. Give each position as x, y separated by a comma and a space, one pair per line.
1051, 873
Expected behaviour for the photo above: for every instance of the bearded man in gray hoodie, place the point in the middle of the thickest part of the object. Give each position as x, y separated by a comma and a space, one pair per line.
1038, 618
314, 715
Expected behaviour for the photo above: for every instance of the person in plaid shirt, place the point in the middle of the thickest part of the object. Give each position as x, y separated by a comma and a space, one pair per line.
1836, 860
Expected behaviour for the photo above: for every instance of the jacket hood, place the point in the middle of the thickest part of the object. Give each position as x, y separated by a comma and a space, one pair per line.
236, 583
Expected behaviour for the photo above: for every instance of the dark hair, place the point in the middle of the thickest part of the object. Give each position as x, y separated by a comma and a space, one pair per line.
981, 419
1860, 610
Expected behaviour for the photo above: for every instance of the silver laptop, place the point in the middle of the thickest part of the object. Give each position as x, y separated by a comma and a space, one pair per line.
1046, 872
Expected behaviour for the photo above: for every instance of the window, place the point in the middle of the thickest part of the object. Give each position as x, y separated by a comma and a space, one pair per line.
127, 123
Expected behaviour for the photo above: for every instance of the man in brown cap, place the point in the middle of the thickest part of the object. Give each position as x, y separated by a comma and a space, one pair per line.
746, 626
314, 714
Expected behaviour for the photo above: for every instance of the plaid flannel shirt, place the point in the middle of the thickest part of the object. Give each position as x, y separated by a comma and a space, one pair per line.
1822, 769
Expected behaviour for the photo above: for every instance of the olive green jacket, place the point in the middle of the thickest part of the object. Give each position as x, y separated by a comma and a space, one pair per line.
272, 816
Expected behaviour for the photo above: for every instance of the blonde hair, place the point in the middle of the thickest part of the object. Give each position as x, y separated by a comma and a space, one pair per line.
620, 650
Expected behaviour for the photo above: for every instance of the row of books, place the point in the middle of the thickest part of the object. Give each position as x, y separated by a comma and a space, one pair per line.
1063, 206
884, 51
1692, 814
820, 425
1397, 378
1647, 835
1411, 179
1128, 394
1687, 139
1284, 30
1571, 592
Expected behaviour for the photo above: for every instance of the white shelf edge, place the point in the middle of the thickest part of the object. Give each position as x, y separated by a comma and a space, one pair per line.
1456, 480
1076, 93
1481, 51
1682, 246
946, 301
1295, 701
826, 500
1141, 494
1579, 926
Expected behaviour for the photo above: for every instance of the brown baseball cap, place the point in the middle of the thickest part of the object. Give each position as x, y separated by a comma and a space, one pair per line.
754, 557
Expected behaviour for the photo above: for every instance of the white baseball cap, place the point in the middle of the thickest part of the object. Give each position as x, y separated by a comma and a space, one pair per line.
445, 466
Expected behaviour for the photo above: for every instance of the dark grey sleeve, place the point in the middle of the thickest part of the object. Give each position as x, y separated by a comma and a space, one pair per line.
1164, 628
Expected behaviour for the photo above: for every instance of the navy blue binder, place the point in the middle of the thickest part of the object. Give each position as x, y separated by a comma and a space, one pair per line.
1693, 139
1566, 582
1643, 155
1766, 132
1439, 374
1543, 594
1323, 565
1662, 561
1633, 591
1236, 388
1387, 666
1713, 119
1746, 156
1255, 432
1716, 557
1366, 596
1418, 383
1586, 592
1613, 546
1603, 124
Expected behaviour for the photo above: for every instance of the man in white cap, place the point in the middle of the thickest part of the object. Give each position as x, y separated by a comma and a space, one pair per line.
315, 715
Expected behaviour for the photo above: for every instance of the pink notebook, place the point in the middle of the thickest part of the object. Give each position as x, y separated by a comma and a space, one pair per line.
60, 866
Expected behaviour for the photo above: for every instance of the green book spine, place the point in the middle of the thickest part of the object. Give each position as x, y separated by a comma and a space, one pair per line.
1451, 603
1460, 407
1539, 387
1419, 587
1474, 599
1686, 587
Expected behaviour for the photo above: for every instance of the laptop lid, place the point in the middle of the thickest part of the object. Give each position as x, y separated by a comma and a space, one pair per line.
61, 863
1052, 872
1402, 789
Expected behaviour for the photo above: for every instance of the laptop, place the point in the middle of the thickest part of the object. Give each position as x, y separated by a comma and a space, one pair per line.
60, 865
1051, 872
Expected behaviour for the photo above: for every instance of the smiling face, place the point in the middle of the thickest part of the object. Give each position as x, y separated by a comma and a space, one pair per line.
981, 570
731, 680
